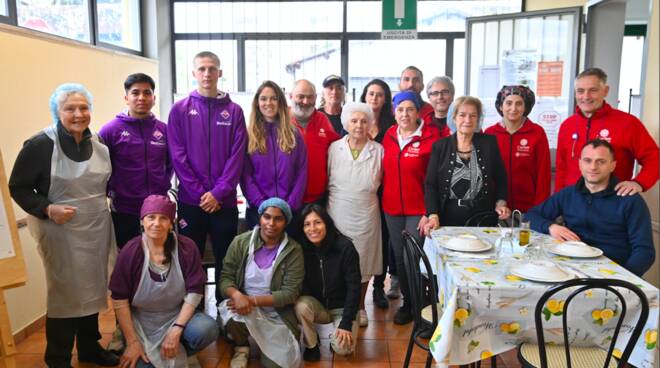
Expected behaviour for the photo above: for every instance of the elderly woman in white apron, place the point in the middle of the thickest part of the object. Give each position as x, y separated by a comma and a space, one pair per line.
355, 172
156, 285
262, 276
60, 179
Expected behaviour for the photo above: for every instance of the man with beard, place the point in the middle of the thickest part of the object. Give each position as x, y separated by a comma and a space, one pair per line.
318, 134
622, 226
412, 80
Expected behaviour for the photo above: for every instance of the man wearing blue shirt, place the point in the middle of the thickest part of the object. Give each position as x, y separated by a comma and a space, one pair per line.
619, 225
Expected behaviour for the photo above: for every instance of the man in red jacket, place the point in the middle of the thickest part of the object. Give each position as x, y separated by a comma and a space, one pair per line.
412, 80
318, 134
596, 119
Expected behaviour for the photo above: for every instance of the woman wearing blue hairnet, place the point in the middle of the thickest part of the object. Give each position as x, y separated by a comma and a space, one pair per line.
60, 179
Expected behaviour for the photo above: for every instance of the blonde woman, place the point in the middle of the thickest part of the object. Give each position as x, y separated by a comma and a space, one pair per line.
276, 162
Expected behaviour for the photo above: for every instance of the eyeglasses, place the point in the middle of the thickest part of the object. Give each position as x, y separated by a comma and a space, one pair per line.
443, 93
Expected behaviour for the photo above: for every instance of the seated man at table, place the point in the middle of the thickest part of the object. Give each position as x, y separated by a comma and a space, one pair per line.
593, 213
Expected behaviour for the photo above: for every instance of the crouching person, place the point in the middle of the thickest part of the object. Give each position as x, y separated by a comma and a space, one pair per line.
331, 289
261, 278
156, 286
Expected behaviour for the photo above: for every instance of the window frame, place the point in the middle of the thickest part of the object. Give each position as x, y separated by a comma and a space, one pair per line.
344, 37
12, 19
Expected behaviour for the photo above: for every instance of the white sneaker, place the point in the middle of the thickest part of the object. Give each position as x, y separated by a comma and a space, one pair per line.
193, 362
241, 357
395, 289
363, 318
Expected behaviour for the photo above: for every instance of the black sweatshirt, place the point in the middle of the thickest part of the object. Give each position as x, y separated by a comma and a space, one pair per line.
336, 284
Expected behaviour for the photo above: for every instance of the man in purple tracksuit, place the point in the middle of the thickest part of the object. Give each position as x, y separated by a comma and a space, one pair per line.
141, 166
207, 140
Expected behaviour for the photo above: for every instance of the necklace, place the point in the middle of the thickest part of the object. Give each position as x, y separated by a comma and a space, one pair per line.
464, 152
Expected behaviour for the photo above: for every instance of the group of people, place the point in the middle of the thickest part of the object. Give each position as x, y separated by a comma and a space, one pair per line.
329, 192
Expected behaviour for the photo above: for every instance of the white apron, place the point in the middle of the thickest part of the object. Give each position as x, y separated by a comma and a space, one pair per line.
155, 307
75, 254
264, 324
353, 200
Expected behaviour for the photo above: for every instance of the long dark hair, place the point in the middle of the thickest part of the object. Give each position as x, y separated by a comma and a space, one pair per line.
386, 117
331, 231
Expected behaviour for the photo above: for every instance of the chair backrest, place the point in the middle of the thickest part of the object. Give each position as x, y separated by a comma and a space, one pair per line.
584, 285
483, 218
412, 253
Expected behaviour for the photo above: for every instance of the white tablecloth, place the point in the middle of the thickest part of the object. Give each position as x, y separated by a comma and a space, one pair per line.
487, 310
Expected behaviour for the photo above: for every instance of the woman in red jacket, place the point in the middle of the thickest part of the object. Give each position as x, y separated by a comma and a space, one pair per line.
407, 148
523, 147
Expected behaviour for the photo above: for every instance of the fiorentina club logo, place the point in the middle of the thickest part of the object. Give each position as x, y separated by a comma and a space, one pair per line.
158, 135
225, 114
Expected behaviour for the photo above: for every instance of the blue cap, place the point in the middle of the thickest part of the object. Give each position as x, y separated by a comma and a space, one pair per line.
278, 203
407, 96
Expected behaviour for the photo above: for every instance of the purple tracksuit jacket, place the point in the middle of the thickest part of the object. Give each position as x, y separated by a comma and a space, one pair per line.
275, 173
207, 139
140, 162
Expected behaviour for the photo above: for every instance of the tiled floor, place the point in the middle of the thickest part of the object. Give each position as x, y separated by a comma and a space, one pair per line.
381, 344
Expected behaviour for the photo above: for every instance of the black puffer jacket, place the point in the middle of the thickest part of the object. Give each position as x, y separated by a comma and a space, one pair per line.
332, 276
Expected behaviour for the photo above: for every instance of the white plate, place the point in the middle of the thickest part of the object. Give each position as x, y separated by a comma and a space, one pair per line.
574, 249
544, 271
466, 243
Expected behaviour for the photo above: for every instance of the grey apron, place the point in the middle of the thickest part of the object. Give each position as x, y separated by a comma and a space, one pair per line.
75, 254
155, 307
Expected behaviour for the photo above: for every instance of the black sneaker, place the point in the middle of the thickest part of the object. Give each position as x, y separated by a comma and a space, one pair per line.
380, 300
312, 354
403, 316
100, 357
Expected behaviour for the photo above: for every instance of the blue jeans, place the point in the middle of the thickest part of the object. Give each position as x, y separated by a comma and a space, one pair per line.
200, 332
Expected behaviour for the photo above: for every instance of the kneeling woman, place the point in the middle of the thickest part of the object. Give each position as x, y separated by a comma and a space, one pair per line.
156, 285
261, 278
331, 289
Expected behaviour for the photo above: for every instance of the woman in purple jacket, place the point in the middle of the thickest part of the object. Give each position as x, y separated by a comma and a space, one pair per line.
156, 285
276, 162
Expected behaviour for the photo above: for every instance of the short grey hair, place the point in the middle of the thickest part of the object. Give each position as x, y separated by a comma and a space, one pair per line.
352, 107
444, 80
62, 93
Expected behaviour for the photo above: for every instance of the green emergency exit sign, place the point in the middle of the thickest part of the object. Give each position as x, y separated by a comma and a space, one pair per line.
399, 20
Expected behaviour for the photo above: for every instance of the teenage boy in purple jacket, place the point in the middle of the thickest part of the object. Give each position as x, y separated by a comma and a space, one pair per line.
141, 166
207, 142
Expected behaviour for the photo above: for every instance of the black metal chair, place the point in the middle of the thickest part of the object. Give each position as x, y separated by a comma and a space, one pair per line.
543, 355
483, 218
420, 290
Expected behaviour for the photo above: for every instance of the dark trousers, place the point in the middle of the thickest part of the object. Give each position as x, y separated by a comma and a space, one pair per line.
60, 334
388, 256
221, 225
126, 226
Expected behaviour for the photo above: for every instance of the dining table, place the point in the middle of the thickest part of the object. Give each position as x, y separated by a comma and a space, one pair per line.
487, 309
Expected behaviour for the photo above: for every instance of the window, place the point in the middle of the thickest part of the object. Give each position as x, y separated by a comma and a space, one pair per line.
258, 17
284, 40
64, 18
432, 15
366, 60
4, 8
285, 61
185, 51
119, 23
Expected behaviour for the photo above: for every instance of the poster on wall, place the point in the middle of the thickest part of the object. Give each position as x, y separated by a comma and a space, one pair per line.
549, 81
546, 113
519, 67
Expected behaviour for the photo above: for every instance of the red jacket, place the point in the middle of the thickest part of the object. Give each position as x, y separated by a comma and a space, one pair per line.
426, 112
628, 136
318, 135
526, 157
404, 171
